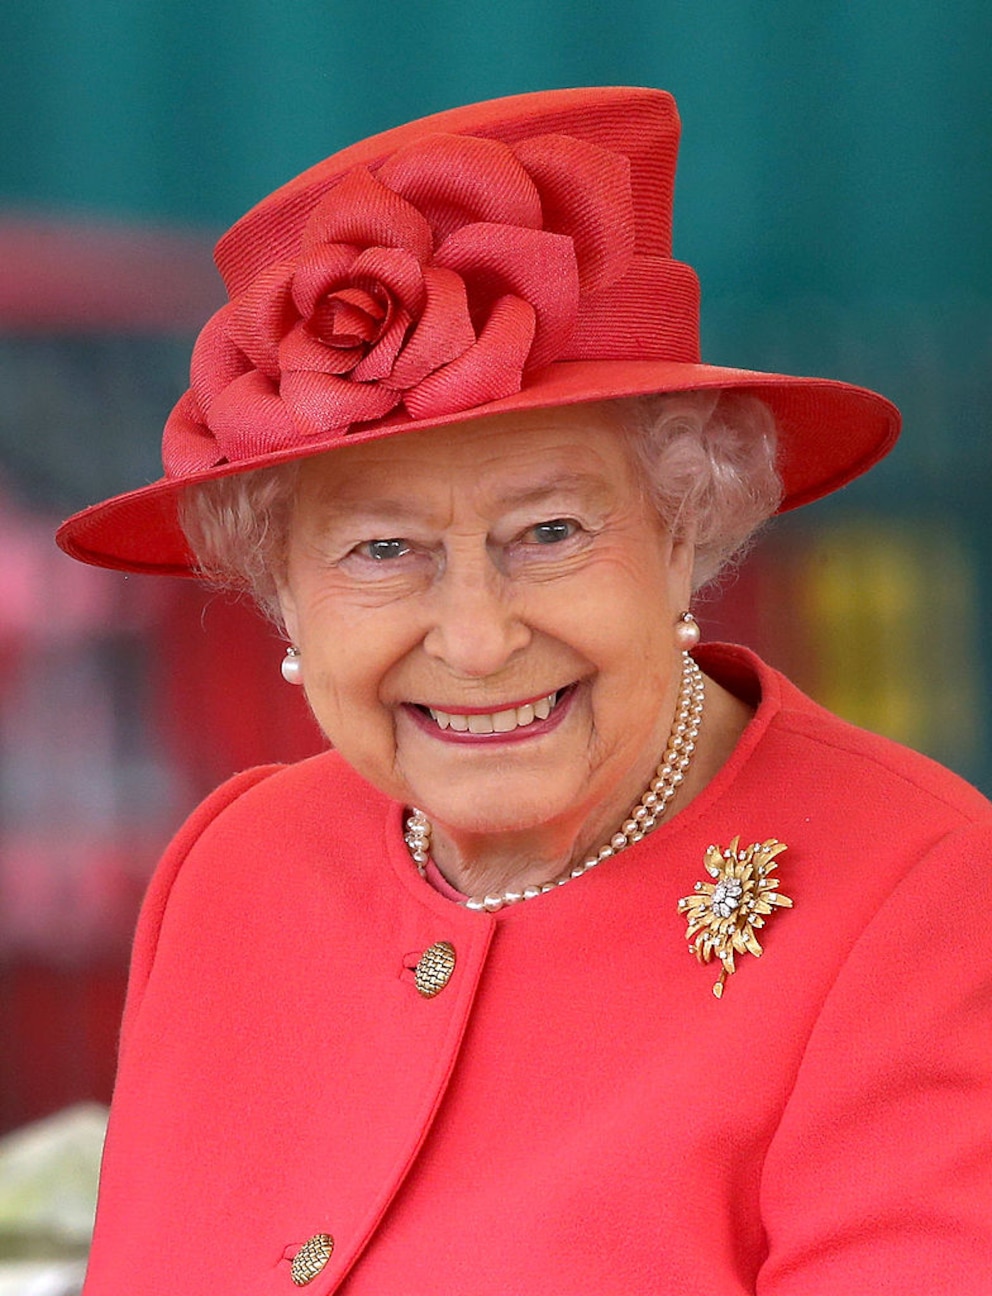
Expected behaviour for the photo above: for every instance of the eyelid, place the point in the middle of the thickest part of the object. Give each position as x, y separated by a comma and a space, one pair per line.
369, 541
573, 524
361, 551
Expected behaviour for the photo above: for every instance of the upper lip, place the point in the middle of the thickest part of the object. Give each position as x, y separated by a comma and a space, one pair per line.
494, 708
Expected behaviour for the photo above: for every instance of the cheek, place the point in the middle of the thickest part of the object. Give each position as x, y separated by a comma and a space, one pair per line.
333, 698
344, 698
349, 654
623, 625
624, 609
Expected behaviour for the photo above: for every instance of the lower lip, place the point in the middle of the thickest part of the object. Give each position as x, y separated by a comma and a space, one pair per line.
536, 728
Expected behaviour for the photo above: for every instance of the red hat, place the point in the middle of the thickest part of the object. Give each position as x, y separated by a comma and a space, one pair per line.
510, 255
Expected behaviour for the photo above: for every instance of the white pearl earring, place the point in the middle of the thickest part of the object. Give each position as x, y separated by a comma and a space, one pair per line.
292, 666
687, 632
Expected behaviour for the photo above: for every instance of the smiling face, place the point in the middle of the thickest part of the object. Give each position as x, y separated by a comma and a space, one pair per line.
485, 619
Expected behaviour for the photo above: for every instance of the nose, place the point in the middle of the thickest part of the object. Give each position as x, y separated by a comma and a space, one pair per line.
475, 625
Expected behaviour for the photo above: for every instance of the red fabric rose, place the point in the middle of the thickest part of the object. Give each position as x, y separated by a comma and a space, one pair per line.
432, 282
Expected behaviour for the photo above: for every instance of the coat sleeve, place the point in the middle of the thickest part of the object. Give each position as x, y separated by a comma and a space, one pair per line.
879, 1177
157, 896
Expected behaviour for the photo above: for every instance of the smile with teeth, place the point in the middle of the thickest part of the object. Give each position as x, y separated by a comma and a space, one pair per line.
496, 721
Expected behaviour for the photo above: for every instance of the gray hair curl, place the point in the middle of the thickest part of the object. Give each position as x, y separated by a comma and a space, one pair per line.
707, 460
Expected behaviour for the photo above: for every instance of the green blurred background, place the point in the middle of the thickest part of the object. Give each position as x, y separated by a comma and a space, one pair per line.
834, 195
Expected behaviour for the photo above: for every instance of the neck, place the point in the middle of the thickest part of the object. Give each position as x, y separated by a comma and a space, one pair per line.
480, 864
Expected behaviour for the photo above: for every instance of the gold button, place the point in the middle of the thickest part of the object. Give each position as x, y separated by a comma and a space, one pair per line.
434, 969
311, 1258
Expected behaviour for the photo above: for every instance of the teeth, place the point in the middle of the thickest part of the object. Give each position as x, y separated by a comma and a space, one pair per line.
497, 721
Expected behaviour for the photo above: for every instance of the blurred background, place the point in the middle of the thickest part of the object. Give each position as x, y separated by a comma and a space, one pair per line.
834, 196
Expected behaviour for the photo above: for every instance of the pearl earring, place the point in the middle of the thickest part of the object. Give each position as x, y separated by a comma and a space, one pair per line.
687, 632
292, 666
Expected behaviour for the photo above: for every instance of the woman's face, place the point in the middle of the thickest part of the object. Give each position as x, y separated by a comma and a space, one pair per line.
485, 617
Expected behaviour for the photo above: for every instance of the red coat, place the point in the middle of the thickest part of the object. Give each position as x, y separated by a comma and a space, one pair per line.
574, 1112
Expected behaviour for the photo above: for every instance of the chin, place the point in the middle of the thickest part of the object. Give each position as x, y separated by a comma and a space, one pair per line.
492, 813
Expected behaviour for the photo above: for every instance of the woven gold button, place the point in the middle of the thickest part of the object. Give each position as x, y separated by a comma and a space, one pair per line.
311, 1258
434, 968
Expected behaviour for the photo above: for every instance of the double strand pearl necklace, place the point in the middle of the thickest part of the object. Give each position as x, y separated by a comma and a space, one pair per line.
642, 819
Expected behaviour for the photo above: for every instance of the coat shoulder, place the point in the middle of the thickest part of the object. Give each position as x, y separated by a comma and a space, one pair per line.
853, 771
873, 771
323, 789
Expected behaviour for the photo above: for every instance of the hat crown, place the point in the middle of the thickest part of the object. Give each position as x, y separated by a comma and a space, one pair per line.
639, 123
434, 270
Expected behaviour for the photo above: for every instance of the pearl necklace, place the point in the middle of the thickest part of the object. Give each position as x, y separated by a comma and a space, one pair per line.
642, 819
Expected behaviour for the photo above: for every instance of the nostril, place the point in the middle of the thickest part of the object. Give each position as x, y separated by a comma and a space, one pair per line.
476, 645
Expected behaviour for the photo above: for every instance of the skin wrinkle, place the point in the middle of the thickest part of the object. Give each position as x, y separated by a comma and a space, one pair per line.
711, 463
478, 613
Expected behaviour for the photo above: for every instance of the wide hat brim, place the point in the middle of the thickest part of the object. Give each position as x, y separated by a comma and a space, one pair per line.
829, 433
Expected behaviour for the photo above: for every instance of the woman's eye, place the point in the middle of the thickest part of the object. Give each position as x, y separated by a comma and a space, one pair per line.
554, 532
383, 550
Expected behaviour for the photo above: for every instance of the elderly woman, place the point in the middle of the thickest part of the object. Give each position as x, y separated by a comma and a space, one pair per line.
472, 1003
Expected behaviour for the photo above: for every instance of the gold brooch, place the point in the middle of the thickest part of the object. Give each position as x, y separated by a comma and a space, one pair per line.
723, 914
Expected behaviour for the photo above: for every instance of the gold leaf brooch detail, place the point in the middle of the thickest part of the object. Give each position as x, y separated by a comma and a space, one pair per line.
723, 914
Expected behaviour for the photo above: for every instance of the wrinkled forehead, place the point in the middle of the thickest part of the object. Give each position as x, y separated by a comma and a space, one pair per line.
506, 459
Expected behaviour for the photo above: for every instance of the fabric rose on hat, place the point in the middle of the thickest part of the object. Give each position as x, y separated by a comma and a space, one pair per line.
431, 282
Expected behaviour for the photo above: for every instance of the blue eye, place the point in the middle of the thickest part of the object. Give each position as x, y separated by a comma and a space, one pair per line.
554, 532
383, 550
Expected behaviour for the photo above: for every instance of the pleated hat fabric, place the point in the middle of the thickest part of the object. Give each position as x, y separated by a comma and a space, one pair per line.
510, 255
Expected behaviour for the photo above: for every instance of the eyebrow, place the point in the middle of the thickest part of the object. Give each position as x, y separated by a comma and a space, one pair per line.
563, 484
398, 510
385, 508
